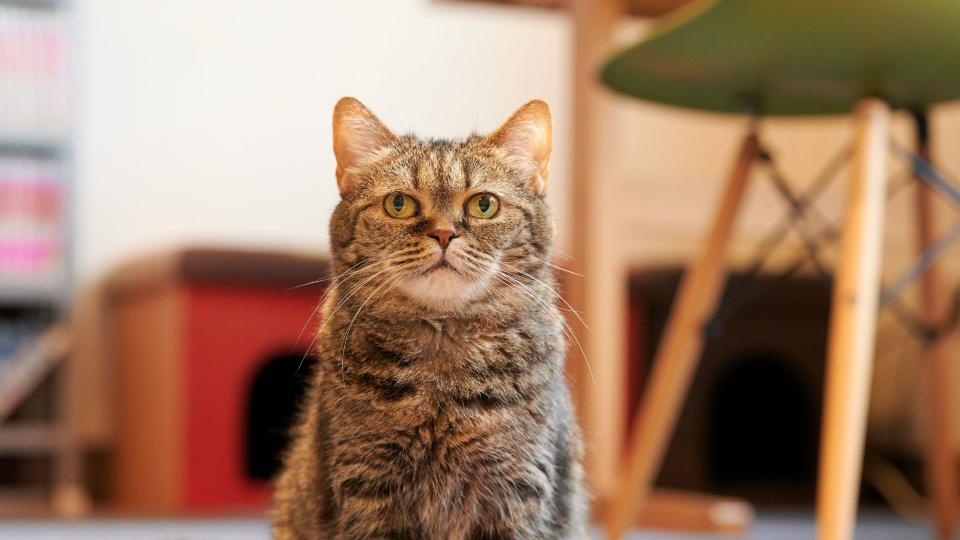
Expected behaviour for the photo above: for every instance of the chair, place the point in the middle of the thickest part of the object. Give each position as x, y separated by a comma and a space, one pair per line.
807, 57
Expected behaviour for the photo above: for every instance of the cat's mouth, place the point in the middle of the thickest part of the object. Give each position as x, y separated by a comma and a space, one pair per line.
443, 283
442, 264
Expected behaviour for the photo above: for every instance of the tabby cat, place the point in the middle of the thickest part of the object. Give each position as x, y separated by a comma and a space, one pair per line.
439, 408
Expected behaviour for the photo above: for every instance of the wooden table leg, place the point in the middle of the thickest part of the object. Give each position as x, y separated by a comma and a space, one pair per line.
853, 327
678, 354
597, 252
941, 471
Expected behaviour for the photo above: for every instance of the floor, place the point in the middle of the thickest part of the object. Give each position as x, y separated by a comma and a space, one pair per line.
768, 527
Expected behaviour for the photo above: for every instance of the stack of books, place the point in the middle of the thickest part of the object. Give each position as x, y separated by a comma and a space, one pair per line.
33, 75
33, 128
31, 225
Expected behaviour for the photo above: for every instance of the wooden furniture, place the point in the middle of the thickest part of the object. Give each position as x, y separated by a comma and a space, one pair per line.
796, 57
750, 424
692, 512
597, 370
191, 336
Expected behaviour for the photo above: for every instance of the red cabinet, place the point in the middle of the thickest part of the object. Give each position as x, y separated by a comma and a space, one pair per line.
192, 335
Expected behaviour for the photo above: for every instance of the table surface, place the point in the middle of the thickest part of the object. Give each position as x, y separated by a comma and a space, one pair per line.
795, 57
638, 8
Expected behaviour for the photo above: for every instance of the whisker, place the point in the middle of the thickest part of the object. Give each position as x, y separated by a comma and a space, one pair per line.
543, 305
556, 294
316, 281
393, 279
336, 308
343, 276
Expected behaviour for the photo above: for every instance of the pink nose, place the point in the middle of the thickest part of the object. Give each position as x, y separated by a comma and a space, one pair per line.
442, 236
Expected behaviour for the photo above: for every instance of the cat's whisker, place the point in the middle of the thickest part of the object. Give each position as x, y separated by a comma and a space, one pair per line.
392, 279
563, 254
323, 280
323, 297
522, 254
475, 271
555, 266
559, 296
383, 283
543, 306
375, 262
339, 305
339, 279
346, 274
572, 336
565, 327
308, 283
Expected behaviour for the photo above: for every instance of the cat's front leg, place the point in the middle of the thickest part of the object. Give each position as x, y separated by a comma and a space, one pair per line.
371, 507
530, 501
517, 506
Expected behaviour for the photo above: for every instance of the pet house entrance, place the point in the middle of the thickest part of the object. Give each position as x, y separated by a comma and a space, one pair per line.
763, 429
276, 393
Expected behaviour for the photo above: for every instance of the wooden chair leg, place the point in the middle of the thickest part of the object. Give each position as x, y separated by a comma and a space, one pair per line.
853, 327
689, 512
941, 471
695, 512
678, 354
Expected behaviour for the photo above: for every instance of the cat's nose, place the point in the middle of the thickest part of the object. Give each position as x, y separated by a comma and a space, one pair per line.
443, 236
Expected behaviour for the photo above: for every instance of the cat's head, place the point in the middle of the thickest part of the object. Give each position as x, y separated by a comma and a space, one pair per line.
444, 223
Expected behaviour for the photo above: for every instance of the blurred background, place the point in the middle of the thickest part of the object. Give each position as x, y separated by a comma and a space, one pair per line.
166, 178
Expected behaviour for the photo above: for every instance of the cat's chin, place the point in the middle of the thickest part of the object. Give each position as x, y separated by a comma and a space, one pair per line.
444, 289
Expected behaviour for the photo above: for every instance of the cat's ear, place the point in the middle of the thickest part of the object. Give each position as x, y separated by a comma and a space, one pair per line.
527, 139
358, 138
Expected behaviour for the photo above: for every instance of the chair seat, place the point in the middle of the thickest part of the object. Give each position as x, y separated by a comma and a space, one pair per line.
796, 57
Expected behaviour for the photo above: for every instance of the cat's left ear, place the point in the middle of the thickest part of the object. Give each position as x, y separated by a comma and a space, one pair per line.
527, 139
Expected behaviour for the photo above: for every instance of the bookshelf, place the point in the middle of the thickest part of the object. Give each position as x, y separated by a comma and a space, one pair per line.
39, 462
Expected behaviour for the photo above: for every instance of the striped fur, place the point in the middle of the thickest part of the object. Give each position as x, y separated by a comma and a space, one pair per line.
439, 408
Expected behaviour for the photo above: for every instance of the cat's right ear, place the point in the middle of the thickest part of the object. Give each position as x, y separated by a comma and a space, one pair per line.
527, 140
359, 137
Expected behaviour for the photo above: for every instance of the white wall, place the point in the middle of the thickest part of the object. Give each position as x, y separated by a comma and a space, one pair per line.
208, 121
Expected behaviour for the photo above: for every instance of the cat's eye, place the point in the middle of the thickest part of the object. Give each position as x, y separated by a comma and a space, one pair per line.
400, 206
483, 205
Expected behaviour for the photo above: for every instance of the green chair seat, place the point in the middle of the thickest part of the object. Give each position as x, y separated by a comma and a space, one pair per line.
796, 57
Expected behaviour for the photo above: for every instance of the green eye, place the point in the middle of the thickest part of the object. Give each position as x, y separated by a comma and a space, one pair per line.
483, 206
400, 206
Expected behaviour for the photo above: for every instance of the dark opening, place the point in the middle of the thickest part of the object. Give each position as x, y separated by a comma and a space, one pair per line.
762, 430
277, 391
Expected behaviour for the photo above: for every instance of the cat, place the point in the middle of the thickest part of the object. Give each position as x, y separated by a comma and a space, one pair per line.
439, 408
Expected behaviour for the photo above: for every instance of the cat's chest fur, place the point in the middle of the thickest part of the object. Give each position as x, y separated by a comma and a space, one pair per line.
441, 411
439, 373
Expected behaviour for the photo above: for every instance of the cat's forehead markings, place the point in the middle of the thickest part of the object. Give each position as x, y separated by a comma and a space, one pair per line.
440, 168
430, 165
453, 166
419, 173
478, 173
